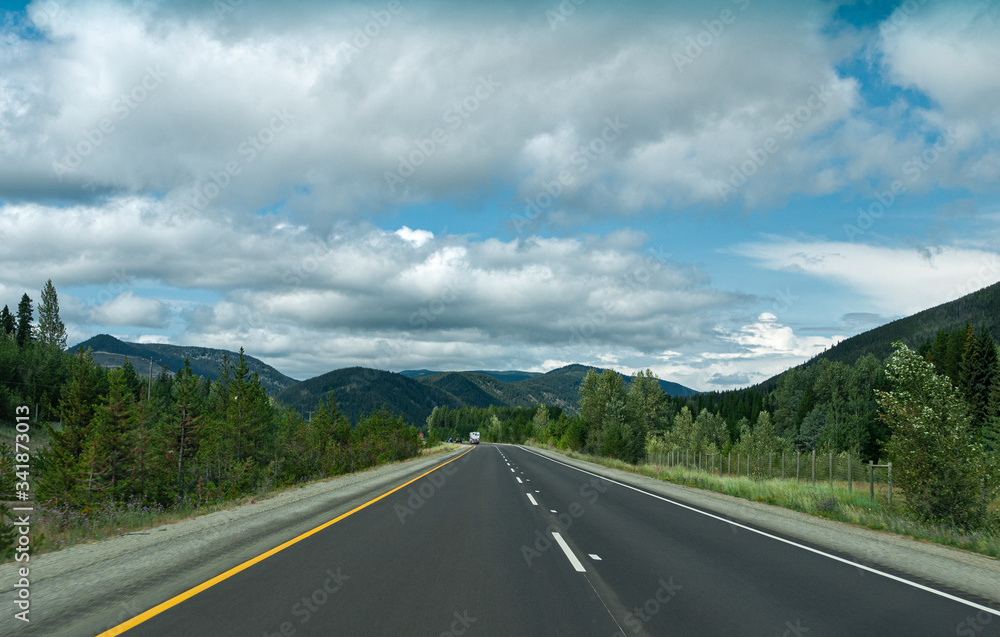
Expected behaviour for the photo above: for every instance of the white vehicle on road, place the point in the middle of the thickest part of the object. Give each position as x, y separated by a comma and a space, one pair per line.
474, 438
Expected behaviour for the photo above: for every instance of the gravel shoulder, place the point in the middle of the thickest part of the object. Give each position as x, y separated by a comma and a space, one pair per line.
969, 575
89, 588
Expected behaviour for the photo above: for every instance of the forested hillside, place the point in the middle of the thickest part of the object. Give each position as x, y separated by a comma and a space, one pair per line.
108, 351
361, 390
981, 308
102, 445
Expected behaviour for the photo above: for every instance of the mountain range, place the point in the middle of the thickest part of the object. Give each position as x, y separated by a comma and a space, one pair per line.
414, 393
359, 390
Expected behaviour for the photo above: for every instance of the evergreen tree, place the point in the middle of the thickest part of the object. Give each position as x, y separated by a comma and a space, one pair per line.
978, 370
147, 468
24, 318
51, 330
136, 386
329, 438
109, 434
938, 354
185, 421
63, 463
957, 342
7, 323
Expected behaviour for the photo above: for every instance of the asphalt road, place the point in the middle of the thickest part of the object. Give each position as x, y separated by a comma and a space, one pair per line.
504, 541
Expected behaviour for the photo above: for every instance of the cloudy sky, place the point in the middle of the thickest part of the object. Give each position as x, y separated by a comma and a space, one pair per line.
714, 190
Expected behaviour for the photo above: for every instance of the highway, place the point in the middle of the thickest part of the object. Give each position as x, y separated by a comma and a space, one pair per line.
505, 541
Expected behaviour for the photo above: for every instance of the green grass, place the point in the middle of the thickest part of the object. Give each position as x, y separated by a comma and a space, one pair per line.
820, 500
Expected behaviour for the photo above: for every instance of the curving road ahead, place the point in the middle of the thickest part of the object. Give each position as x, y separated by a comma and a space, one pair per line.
505, 541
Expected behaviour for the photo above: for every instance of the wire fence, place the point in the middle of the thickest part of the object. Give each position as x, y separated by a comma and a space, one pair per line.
819, 469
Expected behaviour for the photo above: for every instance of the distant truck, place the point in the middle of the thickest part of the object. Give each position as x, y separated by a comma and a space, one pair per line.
474, 438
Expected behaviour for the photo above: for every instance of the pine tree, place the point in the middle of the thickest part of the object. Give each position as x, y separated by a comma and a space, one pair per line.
110, 432
64, 458
7, 324
24, 318
939, 352
329, 438
979, 365
185, 421
136, 386
957, 342
51, 330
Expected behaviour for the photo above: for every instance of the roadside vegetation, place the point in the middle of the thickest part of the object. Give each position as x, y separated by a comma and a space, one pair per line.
111, 450
118, 451
934, 413
838, 504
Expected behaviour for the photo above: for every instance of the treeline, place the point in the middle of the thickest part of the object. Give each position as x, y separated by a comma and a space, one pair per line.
934, 413
192, 438
495, 423
33, 365
114, 435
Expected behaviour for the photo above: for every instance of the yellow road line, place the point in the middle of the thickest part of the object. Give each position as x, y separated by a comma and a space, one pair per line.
170, 603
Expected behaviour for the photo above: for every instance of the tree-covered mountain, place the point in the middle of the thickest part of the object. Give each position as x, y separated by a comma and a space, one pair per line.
412, 394
111, 352
509, 376
360, 390
415, 394
980, 308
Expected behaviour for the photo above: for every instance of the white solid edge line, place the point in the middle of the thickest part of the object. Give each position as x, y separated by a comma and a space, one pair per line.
896, 578
569, 554
530, 497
